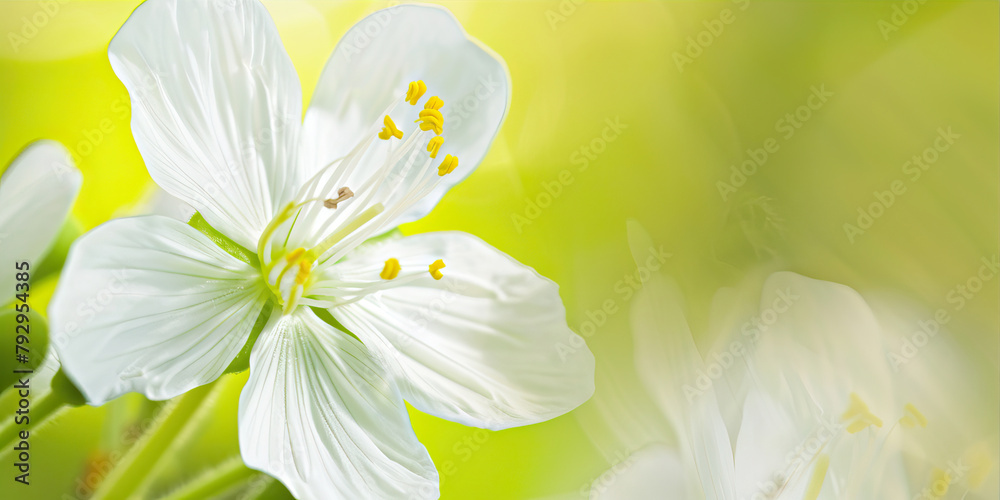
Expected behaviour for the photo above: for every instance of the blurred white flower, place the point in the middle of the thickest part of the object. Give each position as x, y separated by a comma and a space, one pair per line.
216, 109
37, 192
800, 401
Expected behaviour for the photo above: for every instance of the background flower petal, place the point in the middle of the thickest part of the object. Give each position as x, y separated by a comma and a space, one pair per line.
36, 193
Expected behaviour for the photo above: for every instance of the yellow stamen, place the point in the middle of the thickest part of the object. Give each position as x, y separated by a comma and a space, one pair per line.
858, 415
295, 254
435, 145
980, 464
434, 102
912, 417
431, 119
940, 481
389, 130
292, 259
305, 267
415, 91
435, 269
448, 165
817, 478
391, 269
272, 226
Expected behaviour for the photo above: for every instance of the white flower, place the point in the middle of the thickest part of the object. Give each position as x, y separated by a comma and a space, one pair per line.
37, 192
797, 401
153, 305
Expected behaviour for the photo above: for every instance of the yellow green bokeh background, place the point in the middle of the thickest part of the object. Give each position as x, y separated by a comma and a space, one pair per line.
574, 67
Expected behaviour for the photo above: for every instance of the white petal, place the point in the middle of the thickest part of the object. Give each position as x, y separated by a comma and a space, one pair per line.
149, 304
654, 471
320, 414
824, 343
486, 346
768, 447
370, 70
216, 107
671, 368
36, 193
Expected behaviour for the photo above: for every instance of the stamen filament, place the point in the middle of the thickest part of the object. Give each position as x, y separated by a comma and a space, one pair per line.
818, 476
293, 299
346, 230
272, 226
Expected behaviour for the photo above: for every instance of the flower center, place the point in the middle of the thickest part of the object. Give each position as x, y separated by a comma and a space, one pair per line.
385, 179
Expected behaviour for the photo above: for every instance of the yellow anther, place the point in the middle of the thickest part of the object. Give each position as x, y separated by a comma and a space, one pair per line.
980, 464
435, 269
305, 267
431, 112
391, 269
415, 91
435, 145
448, 165
858, 416
431, 119
389, 130
912, 417
295, 254
434, 102
940, 482
817, 478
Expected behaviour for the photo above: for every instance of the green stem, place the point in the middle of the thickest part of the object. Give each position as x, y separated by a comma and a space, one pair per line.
264, 486
213, 483
40, 412
193, 428
144, 454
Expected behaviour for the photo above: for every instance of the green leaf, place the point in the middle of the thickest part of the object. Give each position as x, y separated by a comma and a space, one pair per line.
231, 247
241, 362
56, 256
67, 390
325, 315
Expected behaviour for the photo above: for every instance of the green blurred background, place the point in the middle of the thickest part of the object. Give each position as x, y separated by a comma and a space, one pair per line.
560, 182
